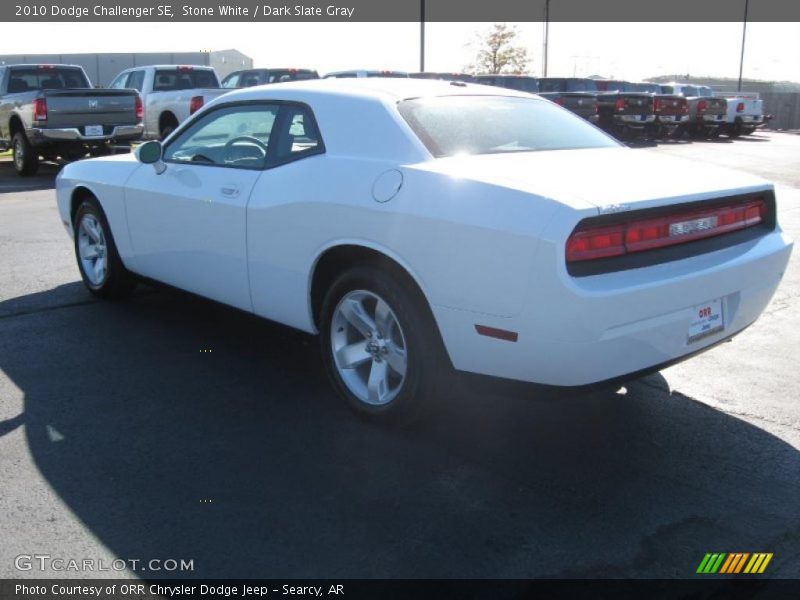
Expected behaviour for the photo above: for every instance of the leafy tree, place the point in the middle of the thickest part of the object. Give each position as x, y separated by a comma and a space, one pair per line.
498, 52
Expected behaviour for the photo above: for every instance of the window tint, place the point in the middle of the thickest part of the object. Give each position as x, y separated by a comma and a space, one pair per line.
235, 136
231, 81
281, 75
120, 82
667, 89
136, 80
185, 78
298, 136
451, 125
45, 78
522, 84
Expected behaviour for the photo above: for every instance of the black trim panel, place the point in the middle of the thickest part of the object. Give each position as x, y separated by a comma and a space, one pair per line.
647, 258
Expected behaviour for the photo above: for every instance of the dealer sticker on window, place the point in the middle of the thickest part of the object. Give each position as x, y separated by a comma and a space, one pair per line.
706, 319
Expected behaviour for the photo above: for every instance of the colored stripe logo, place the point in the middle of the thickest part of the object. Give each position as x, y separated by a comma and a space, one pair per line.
734, 563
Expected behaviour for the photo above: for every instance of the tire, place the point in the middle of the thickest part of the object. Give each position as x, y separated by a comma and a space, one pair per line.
405, 354
94, 244
26, 159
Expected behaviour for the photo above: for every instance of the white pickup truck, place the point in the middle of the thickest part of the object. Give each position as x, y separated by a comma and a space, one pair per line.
745, 112
170, 93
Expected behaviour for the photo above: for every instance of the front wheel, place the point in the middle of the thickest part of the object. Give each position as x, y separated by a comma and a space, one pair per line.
380, 345
101, 268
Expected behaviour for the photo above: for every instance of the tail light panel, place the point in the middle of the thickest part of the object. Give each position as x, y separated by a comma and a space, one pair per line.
39, 109
195, 104
740, 107
139, 108
702, 106
619, 104
669, 227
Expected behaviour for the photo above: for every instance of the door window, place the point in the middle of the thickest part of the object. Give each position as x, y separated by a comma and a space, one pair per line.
234, 136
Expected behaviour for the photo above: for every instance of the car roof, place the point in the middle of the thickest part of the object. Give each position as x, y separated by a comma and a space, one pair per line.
385, 89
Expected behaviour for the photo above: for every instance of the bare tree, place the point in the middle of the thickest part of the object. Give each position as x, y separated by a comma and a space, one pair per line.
497, 51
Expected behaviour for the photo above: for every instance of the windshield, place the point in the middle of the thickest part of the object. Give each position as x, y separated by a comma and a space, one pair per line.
451, 125
46, 78
703, 90
184, 78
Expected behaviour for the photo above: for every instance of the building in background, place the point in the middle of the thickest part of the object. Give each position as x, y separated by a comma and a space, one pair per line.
103, 67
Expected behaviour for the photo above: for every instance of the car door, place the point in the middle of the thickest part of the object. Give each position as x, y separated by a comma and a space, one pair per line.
284, 221
188, 223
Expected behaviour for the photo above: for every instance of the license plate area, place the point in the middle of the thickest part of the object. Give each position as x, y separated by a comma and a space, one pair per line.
707, 319
93, 130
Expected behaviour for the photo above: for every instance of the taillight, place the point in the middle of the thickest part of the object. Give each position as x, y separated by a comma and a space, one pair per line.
593, 242
702, 105
740, 107
619, 104
195, 104
656, 104
39, 109
139, 108
684, 106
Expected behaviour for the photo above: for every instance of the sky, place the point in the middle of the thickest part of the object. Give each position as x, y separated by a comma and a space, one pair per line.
632, 51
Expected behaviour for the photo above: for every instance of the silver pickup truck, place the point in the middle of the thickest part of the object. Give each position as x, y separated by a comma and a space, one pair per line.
171, 93
52, 110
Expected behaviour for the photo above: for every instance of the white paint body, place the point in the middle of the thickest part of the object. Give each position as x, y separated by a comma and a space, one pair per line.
483, 236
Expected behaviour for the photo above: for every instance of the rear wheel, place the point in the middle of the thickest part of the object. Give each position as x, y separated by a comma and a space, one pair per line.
380, 345
26, 159
101, 269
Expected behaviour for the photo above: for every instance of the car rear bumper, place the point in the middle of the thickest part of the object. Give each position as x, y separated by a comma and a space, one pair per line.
39, 135
577, 331
634, 120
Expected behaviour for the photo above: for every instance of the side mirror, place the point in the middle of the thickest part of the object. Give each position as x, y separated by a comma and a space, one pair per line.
149, 153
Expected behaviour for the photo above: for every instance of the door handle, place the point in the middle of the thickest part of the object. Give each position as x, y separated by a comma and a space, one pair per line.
231, 191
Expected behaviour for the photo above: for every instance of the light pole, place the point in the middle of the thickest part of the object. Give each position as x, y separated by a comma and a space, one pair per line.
744, 35
546, 33
422, 36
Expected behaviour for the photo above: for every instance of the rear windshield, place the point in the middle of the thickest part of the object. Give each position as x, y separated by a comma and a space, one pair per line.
451, 125
567, 85
650, 88
45, 78
522, 84
183, 79
617, 86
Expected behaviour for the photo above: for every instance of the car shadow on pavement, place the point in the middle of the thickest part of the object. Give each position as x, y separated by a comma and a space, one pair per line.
43, 180
176, 428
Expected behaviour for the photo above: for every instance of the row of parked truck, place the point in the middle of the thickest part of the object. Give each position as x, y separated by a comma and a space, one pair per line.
53, 111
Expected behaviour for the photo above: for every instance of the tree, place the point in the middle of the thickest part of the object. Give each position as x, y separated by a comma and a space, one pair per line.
497, 51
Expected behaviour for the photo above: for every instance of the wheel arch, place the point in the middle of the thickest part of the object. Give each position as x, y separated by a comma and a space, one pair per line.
335, 258
15, 125
78, 195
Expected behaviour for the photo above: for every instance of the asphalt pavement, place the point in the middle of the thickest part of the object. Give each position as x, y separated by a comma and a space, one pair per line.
169, 427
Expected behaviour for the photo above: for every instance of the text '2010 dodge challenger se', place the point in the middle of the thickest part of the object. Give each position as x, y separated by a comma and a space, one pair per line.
419, 226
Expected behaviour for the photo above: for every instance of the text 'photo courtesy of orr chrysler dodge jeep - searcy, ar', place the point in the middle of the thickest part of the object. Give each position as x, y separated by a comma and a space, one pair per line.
423, 226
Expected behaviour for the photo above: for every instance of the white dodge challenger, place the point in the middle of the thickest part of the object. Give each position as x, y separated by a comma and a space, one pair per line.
420, 226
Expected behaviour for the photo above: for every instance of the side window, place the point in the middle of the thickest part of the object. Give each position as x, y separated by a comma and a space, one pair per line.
120, 82
298, 135
231, 81
136, 81
236, 136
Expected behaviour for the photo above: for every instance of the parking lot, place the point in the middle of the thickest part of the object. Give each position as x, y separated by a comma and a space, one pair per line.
169, 427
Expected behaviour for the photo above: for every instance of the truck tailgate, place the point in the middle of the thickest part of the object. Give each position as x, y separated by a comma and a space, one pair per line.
81, 107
